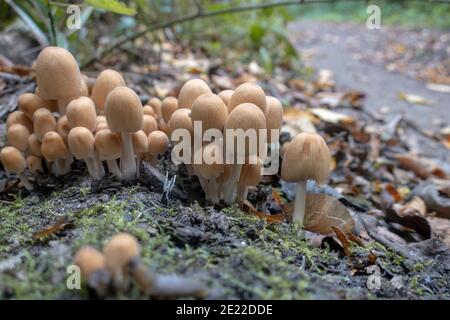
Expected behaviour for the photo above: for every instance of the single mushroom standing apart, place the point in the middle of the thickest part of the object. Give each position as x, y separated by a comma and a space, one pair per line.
17, 136
14, 162
225, 95
190, 91
250, 176
248, 93
123, 111
93, 269
34, 164
307, 157
108, 146
81, 144
55, 150
58, 76
158, 143
29, 103
245, 116
119, 252
106, 81
140, 147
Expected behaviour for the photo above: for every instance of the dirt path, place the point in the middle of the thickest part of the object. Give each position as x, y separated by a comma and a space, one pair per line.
353, 54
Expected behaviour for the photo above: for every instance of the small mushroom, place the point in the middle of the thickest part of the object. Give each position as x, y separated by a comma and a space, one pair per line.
108, 146
93, 269
17, 136
21, 118
51, 105
149, 111
248, 93
81, 113
101, 123
62, 127
119, 252
44, 122
158, 142
58, 76
210, 110
274, 118
140, 147
81, 144
190, 91
123, 110
106, 81
168, 107
307, 157
155, 103
29, 103
181, 119
149, 124
225, 95
34, 145
55, 150
14, 162
34, 164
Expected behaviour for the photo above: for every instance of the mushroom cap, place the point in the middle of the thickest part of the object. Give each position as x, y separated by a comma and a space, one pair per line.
101, 123
248, 92
81, 143
158, 142
245, 116
210, 110
190, 91
274, 115
81, 113
89, 260
155, 103
53, 147
284, 148
106, 81
108, 145
168, 107
34, 164
19, 117
225, 95
119, 251
123, 110
212, 161
140, 142
62, 127
52, 105
57, 74
251, 174
164, 127
181, 119
44, 122
149, 124
29, 103
17, 136
84, 92
148, 110
307, 157
12, 160
34, 145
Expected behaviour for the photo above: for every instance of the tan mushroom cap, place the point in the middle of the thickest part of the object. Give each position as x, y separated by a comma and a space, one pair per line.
155, 103
53, 147
108, 145
225, 95
52, 105
212, 159
168, 107
140, 142
119, 251
13, 160
158, 142
190, 91
81, 143
251, 174
181, 119
44, 122
245, 116
123, 110
164, 127
149, 124
19, 117
89, 260
29, 103
62, 127
106, 81
248, 93
89, 82
34, 164
284, 148
101, 123
34, 145
57, 74
307, 158
274, 115
81, 113
210, 110
17, 136
149, 111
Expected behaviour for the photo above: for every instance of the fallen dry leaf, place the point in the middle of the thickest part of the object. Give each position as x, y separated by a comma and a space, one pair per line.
422, 167
343, 239
271, 218
59, 225
332, 116
415, 99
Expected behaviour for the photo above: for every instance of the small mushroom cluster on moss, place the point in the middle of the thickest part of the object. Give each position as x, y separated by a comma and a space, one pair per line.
71, 116
119, 266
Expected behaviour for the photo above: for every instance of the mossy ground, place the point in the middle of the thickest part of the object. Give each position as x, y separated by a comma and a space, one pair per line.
237, 255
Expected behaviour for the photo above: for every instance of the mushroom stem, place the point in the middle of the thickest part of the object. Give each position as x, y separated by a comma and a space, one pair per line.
205, 187
242, 191
99, 165
114, 168
25, 182
230, 189
93, 169
62, 166
214, 190
300, 203
127, 161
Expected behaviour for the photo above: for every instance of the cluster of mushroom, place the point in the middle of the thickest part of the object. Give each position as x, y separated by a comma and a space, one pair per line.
70, 115
245, 108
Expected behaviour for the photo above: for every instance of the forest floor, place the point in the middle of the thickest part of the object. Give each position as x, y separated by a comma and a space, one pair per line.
257, 254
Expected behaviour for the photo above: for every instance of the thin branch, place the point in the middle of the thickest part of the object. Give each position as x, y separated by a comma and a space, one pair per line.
200, 15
